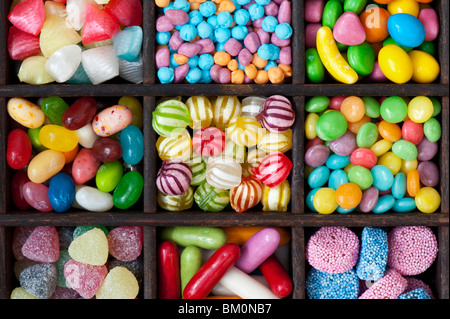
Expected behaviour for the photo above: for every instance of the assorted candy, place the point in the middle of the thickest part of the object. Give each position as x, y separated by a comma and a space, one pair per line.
77, 262
76, 42
75, 155
237, 158
372, 155
377, 41
224, 41
196, 262
378, 267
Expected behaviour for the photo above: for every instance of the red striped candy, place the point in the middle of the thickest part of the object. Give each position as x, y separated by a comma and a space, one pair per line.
273, 169
247, 195
209, 141
277, 114
174, 177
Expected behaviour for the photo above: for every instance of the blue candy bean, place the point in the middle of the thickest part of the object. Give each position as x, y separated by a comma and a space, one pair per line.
309, 199
336, 161
269, 24
399, 185
195, 17
224, 19
239, 32
341, 210
404, 205
382, 177
337, 178
61, 192
166, 75
194, 75
132, 142
256, 11
241, 17
188, 32
222, 34
205, 30
182, 5
163, 37
385, 203
283, 31
318, 177
207, 8
205, 61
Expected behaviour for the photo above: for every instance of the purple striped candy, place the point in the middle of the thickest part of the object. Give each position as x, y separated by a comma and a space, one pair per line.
174, 177
276, 114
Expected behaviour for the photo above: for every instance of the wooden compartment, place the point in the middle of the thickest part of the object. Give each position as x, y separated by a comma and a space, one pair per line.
298, 219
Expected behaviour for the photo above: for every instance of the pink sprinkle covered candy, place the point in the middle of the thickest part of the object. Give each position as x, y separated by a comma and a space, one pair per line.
390, 286
412, 249
276, 114
174, 177
125, 242
42, 245
333, 249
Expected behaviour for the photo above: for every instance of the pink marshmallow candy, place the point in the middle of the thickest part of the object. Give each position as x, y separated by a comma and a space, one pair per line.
233, 47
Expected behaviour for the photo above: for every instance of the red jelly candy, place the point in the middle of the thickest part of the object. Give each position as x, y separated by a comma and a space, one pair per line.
42, 245
84, 278
273, 169
98, 26
36, 196
85, 166
125, 242
80, 113
363, 157
28, 16
412, 131
125, 12
18, 150
22, 45
19, 179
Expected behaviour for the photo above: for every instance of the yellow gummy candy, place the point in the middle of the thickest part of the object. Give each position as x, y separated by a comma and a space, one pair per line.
119, 283
58, 138
20, 293
332, 59
90, 248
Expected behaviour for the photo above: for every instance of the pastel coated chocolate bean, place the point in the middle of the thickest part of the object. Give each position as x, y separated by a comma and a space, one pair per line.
111, 120
430, 22
348, 29
25, 112
257, 249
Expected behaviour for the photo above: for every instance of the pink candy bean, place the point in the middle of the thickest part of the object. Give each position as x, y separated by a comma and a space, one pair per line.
286, 55
162, 58
224, 76
252, 42
233, 47
271, 9
245, 57
264, 37
189, 49
311, 34
180, 73
207, 45
163, 24
313, 10
214, 72
177, 17
284, 12
175, 40
279, 42
430, 21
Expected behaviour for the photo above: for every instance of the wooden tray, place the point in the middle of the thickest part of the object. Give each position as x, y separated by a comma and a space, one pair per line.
298, 220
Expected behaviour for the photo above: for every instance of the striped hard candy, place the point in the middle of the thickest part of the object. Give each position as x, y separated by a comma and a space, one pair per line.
252, 160
246, 195
273, 169
176, 203
209, 141
273, 142
277, 114
224, 173
210, 198
234, 151
170, 117
174, 177
276, 199
251, 105
177, 146
198, 168
200, 110
246, 131
225, 108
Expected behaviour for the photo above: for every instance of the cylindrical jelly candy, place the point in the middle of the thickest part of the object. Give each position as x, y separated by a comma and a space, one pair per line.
44, 165
61, 192
129, 190
190, 263
58, 138
276, 276
174, 177
107, 150
168, 271
80, 113
200, 236
211, 272
18, 149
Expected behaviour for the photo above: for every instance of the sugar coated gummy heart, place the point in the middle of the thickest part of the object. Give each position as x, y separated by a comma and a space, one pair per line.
125, 242
84, 278
39, 280
42, 245
90, 248
119, 283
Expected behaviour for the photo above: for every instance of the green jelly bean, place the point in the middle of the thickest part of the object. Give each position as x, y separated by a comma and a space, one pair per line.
361, 176
389, 40
393, 109
190, 263
361, 58
199, 236
315, 70
356, 6
432, 129
129, 190
33, 134
367, 135
428, 47
331, 125
135, 106
331, 12
108, 176
405, 150
371, 106
437, 106
317, 104
54, 107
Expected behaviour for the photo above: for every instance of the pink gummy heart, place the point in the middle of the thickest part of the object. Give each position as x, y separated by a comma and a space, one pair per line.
126, 12
349, 30
125, 242
84, 278
20, 236
28, 16
99, 25
22, 45
42, 245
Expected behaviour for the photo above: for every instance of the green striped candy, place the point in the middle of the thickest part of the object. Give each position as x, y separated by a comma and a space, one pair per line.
198, 167
211, 199
169, 116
